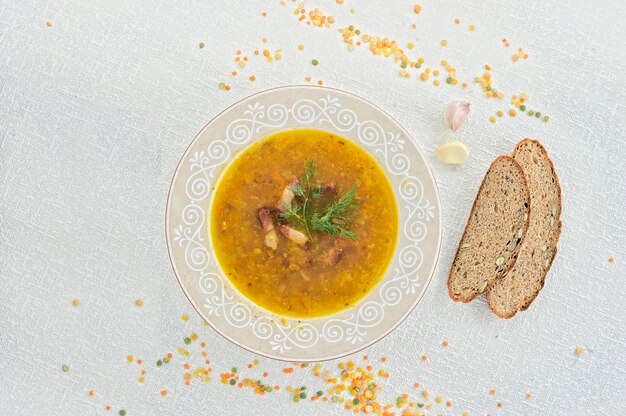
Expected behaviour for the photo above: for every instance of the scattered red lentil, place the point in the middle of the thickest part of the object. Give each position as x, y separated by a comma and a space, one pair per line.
383, 359
519, 54
445, 343
252, 78
417, 9
611, 259
138, 303
320, 82
91, 393
108, 407
264, 14
424, 358
499, 404
492, 392
164, 393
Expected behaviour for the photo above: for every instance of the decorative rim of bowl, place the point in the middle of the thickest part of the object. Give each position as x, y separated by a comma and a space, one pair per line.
356, 348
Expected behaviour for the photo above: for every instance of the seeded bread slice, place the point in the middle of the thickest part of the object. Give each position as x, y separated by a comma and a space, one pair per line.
521, 285
494, 232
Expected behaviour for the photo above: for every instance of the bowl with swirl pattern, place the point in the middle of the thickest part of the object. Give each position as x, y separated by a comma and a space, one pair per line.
211, 293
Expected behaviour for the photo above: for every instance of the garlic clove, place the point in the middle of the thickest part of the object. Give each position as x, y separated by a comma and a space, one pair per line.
453, 153
455, 113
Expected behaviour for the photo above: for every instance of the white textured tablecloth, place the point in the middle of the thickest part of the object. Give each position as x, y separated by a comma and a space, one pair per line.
96, 110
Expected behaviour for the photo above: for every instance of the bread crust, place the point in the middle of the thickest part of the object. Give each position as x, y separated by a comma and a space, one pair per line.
555, 238
501, 273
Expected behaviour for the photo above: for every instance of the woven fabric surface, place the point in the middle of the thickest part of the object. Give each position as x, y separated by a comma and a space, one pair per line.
97, 109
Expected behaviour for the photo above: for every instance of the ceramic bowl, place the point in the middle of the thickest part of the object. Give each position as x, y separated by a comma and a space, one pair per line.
237, 318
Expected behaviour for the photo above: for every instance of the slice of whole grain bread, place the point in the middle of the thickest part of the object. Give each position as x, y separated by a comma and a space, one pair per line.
521, 285
494, 232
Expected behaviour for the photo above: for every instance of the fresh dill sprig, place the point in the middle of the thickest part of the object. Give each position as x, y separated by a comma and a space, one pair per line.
332, 218
336, 217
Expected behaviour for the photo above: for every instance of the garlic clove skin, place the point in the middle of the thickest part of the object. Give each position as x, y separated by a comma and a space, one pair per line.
453, 153
455, 113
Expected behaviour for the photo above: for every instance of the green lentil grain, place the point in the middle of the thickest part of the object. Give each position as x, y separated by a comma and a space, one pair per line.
187, 341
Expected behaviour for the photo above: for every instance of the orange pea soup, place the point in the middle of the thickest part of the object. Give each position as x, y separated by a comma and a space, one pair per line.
290, 267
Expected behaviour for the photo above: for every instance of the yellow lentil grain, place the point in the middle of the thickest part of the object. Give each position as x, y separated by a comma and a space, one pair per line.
436, 82
500, 113
184, 317
472, 28
444, 43
76, 303
201, 45
138, 302
49, 24
492, 119
417, 9
129, 358
410, 46
300, 47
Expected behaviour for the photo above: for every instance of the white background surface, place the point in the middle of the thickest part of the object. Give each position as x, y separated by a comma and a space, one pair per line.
96, 111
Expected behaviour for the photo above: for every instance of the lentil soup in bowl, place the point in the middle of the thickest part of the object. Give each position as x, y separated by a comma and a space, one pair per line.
303, 223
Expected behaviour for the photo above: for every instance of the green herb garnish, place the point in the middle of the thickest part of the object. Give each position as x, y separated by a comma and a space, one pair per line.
332, 217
